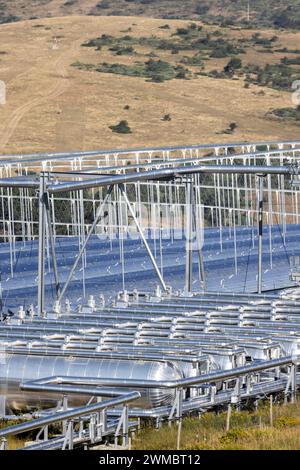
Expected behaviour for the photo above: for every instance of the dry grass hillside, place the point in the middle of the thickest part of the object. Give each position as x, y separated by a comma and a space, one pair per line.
54, 105
282, 13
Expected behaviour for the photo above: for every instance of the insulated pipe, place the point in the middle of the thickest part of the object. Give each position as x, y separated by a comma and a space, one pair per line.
205, 402
147, 176
138, 356
168, 173
19, 183
63, 155
180, 383
172, 162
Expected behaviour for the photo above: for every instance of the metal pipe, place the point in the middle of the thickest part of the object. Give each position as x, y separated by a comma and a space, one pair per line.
154, 175
183, 383
172, 162
70, 414
122, 355
168, 173
48, 156
16, 182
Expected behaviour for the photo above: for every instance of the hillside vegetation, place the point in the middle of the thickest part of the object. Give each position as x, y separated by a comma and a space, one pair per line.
278, 13
84, 82
249, 430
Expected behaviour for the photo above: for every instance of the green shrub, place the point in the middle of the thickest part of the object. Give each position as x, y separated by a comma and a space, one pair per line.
159, 70
119, 50
121, 69
103, 40
234, 64
287, 61
234, 435
287, 113
221, 50
195, 60
121, 128
286, 421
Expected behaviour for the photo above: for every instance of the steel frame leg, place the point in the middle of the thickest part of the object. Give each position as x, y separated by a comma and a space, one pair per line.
260, 232
153, 261
188, 234
42, 236
99, 213
52, 245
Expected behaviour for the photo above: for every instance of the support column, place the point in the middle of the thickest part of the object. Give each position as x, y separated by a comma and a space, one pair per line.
260, 231
188, 236
52, 244
41, 253
198, 239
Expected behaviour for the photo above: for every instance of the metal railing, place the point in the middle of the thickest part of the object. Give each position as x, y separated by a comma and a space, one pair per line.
96, 415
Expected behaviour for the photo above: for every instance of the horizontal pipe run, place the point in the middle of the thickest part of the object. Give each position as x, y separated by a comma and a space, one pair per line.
16, 182
205, 403
168, 173
148, 176
180, 383
47, 156
177, 161
70, 414
72, 389
111, 355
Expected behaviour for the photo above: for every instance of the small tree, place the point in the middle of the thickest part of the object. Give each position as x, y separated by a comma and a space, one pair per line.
234, 64
121, 128
232, 126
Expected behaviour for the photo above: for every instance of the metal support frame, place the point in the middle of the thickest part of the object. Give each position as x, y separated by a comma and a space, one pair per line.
69, 438
188, 234
120, 179
98, 215
2, 401
176, 410
260, 231
42, 237
236, 394
294, 383
291, 386
123, 423
153, 261
43, 431
52, 243
191, 227
3, 444
69, 416
198, 240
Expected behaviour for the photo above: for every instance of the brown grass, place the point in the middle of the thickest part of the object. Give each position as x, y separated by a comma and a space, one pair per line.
53, 106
